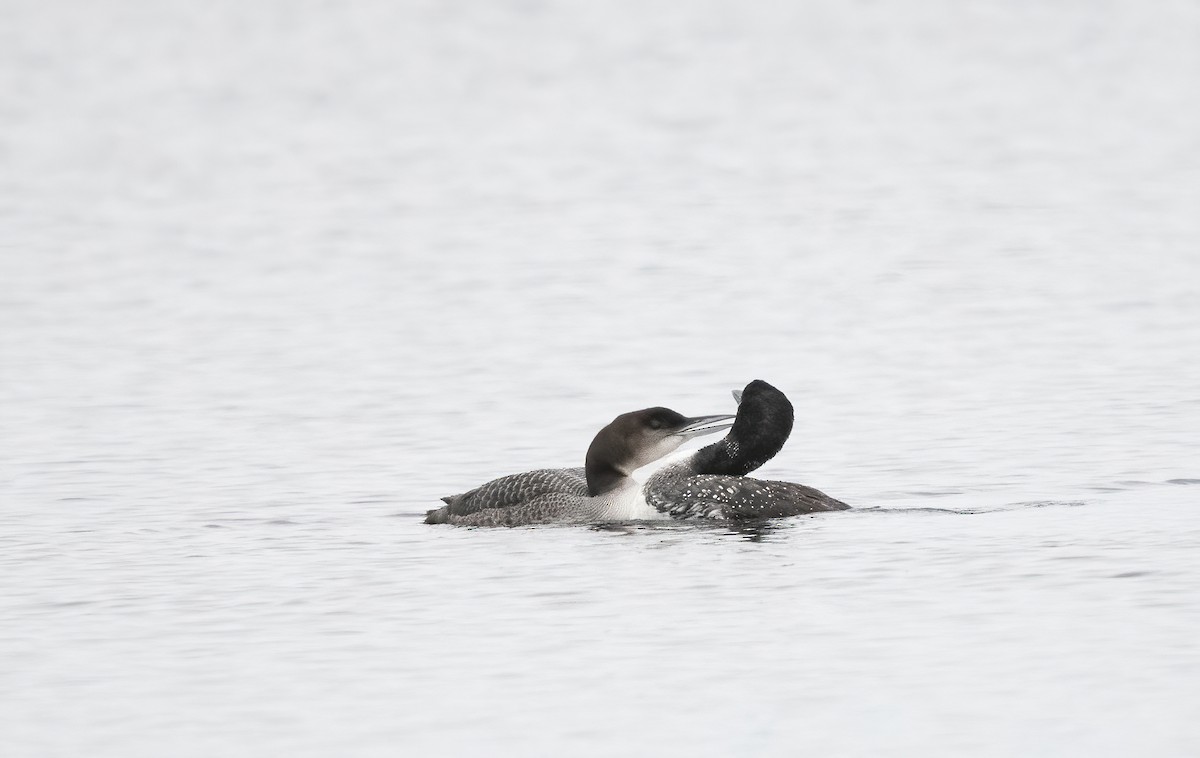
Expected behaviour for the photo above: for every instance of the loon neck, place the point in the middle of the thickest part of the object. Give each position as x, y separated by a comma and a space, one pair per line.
603, 464
603, 477
739, 454
727, 457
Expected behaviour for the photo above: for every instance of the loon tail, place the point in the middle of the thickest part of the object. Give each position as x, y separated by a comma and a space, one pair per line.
442, 515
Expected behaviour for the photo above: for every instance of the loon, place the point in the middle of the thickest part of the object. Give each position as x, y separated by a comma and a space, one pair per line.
712, 483
605, 491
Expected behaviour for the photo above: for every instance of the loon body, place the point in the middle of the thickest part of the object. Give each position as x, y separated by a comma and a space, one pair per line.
603, 490
516, 489
712, 483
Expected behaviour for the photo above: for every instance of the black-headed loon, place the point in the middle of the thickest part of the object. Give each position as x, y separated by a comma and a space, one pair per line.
606, 491
712, 483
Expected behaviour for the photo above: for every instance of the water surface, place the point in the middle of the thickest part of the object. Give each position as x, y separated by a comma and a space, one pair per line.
276, 276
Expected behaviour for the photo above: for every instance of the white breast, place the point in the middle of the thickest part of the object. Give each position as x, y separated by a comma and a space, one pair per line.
628, 504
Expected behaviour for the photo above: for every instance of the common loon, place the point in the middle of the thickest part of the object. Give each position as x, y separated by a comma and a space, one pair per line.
712, 482
606, 491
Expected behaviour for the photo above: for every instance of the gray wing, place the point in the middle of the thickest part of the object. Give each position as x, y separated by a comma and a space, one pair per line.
738, 497
511, 490
556, 507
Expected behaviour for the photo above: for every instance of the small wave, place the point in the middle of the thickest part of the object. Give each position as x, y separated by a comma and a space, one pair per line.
920, 509
977, 510
1046, 504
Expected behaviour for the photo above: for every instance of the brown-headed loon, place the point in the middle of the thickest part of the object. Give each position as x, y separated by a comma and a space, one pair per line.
602, 491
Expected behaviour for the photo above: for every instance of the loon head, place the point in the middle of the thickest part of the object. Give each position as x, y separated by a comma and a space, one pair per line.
764, 422
635, 439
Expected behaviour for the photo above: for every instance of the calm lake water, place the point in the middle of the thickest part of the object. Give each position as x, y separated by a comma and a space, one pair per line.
275, 276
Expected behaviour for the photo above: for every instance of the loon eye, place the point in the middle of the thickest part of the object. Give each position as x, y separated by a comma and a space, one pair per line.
655, 423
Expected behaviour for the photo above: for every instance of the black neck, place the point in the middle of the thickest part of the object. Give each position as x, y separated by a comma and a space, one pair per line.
726, 457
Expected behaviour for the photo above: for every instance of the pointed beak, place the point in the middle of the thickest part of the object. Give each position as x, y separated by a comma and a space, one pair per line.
701, 425
737, 396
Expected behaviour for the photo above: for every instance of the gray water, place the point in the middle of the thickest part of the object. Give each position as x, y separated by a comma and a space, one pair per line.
275, 276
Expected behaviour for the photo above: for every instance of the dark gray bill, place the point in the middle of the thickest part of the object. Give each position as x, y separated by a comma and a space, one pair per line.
701, 425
